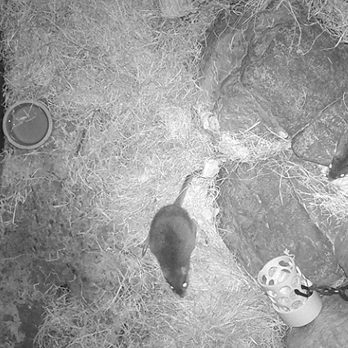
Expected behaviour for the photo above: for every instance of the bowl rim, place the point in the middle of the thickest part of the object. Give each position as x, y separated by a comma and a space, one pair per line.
44, 108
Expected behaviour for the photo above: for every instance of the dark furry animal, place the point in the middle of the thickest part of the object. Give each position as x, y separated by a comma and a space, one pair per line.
172, 238
338, 167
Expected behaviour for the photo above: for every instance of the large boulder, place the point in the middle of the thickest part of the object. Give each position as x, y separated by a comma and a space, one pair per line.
261, 217
279, 69
278, 73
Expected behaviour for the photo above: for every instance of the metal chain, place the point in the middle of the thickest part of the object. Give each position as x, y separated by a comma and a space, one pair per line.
324, 290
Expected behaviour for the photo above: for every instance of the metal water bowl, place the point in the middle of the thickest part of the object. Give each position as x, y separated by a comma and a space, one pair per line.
27, 124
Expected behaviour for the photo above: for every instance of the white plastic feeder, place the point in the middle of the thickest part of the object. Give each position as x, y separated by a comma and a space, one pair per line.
280, 277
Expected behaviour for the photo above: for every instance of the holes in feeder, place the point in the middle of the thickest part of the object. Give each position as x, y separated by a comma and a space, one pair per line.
263, 279
284, 263
277, 275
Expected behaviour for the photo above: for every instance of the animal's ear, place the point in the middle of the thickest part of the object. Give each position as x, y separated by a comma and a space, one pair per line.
145, 246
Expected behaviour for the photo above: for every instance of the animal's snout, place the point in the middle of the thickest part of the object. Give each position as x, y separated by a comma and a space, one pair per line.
180, 292
329, 178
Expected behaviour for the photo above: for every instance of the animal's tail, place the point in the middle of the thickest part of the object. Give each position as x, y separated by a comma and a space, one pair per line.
179, 200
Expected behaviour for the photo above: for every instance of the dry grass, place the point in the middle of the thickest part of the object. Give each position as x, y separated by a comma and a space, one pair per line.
331, 15
330, 199
250, 147
313, 188
120, 83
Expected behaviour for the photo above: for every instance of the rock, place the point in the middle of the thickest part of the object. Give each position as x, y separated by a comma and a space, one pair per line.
221, 56
317, 141
281, 70
341, 247
31, 317
294, 69
260, 217
277, 73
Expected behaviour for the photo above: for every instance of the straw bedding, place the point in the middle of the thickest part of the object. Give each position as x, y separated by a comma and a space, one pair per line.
120, 83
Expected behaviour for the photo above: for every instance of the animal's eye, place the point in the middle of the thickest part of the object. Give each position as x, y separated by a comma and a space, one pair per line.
330, 165
172, 287
184, 285
342, 175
